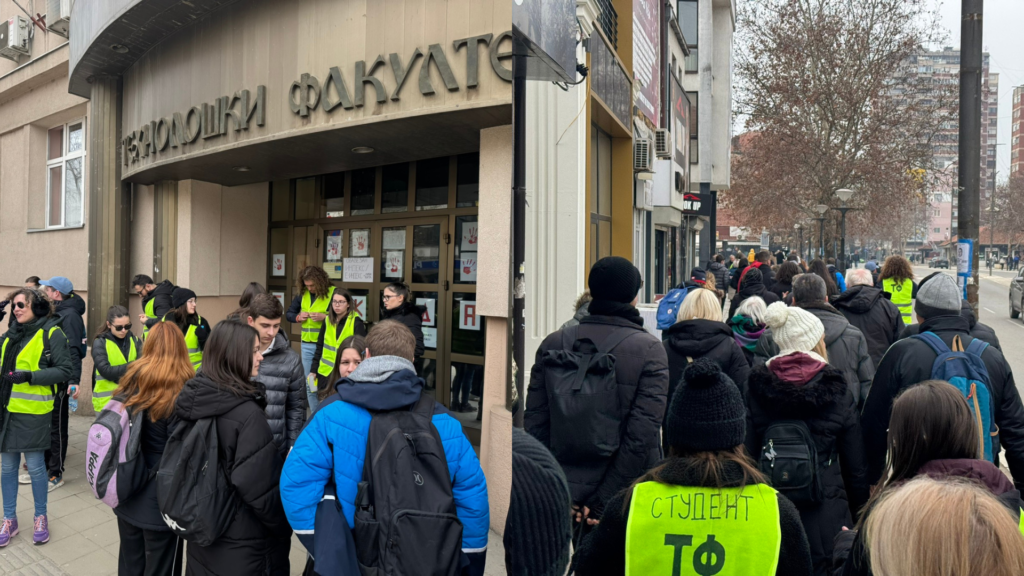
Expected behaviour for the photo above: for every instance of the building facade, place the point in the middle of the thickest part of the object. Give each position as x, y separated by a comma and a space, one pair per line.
1016, 133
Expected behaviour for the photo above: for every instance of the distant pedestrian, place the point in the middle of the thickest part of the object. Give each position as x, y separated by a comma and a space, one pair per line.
798, 390
647, 528
867, 308
309, 308
897, 278
351, 354
872, 266
762, 263
156, 300
840, 281
783, 284
184, 312
720, 272
748, 326
818, 267
753, 285
735, 271
581, 308
113, 351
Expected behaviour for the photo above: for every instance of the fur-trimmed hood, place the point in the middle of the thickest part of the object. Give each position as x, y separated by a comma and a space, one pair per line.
795, 401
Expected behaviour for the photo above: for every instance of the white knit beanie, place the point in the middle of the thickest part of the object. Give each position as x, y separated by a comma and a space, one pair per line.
793, 329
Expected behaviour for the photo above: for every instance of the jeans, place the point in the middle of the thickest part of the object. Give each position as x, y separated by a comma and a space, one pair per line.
9, 481
58, 451
308, 350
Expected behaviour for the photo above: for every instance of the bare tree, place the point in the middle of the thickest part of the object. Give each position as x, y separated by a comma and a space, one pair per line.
832, 98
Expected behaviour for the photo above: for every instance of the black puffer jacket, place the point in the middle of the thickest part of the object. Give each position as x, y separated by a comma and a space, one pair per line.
641, 371
781, 289
70, 312
825, 403
101, 360
721, 274
603, 552
847, 349
752, 285
412, 316
259, 538
282, 375
700, 338
142, 510
161, 297
877, 318
910, 361
977, 330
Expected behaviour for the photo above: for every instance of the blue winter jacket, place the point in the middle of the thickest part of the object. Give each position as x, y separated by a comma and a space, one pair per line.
840, 281
345, 424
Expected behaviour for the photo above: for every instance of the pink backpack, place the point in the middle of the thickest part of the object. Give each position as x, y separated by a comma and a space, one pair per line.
114, 466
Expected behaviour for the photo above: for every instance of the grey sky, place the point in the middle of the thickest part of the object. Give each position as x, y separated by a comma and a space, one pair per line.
1003, 42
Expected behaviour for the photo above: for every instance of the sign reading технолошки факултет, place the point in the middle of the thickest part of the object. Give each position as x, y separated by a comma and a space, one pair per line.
244, 108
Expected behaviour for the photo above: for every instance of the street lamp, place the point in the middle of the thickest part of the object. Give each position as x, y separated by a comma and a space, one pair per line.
821, 209
800, 230
844, 195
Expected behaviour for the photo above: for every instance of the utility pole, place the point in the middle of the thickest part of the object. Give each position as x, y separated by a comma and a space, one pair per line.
969, 144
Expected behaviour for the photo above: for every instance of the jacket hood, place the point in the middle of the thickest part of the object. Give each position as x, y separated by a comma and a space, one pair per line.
696, 337
685, 471
381, 383
204, 398
73, 305
966, 312
833, 320
981, 471
858, 299
164, 288
826, 387
946, 323
797, 368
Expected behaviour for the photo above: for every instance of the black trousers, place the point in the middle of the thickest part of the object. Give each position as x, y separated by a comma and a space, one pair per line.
58, 451
148, 553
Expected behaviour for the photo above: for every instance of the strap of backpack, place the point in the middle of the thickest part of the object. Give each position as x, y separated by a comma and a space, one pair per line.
614, 339
569, 336
977, 347
932, 340
424, 406
958, 345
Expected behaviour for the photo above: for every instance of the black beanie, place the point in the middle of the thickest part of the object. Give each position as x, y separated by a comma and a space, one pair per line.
707, 412
698, 275
539, 526
180, 296
614, 278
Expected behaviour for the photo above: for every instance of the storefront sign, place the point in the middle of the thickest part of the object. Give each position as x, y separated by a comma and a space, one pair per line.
681, 131
697, 204
647, 58
468, 318
609, 81
208, 120
358, 270
546, 31
306, 93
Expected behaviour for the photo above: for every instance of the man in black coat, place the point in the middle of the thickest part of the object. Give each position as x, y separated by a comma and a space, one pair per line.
158, 294
280, 372
977, 330
867, 308
909, 361
641, 376
846, 346
720, 272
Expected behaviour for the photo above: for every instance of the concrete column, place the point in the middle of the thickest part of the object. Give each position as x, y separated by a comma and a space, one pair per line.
109, 205
165, 231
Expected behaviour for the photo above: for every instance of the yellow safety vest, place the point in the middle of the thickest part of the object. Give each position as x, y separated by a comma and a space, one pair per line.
27, 398
192, 343
311, 328
332, 341
901, 295
151, 314
692, 531
103, 390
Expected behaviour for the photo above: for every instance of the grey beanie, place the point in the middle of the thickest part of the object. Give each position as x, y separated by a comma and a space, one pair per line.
937, 296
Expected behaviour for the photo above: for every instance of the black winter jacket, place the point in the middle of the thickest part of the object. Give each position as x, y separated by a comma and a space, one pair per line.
603, 552
826, 405
781, 289
877, 318
161, 297
142, 510
101, 361
846, 346
977, 329
259, 538
412, 316
752, 285
70, 312
641, 371
910, 361
282, 375
358, 329
721, 274
700, 338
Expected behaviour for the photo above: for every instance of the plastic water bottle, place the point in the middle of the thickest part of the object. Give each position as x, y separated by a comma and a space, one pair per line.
72, 403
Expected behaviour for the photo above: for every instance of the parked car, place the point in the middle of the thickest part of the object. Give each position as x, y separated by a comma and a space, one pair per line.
939, 263
1017, 294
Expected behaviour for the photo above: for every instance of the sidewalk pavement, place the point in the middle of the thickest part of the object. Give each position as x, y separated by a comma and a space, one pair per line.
83, 531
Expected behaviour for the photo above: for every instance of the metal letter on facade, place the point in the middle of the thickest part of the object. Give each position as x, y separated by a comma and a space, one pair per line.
152, 137
228, 114
472, 56
401, 72
257, 110
363, 77
496, 57
436, 54
211, 119
190, 134
334, 77
161, 135
308, 86
143, 142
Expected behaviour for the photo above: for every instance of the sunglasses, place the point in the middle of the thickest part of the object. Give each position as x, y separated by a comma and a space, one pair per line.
127, 326
20, 305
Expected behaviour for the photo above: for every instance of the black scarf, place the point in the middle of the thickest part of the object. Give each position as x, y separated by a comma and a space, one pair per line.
617, 309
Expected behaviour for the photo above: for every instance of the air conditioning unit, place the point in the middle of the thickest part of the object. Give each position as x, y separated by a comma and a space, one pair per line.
58, 16
663, 143
14, 38
643, 160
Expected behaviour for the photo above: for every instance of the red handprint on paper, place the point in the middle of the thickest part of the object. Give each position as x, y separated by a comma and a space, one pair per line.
471, 236
394, 263
468, 266
278, 265
361, 243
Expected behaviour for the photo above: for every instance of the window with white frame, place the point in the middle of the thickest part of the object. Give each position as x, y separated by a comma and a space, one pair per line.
65, 175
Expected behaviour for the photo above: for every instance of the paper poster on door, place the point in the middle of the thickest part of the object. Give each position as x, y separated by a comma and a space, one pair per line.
334, 246
468, 318
360, 243
429, 319
360, 304
358, 270
277, 265
430, 337
333, 270
279, 296
394, 240
467, 267
394, 264
470, 236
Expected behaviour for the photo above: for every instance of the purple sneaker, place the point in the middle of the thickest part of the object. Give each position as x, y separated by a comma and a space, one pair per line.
8, 530
41, 534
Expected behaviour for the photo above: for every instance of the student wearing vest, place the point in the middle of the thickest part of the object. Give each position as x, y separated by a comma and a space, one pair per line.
897, 278
193, 326
351, 354
705, 509
342, 322
156, 300
112, 351
932, 432
34, 359
309, 308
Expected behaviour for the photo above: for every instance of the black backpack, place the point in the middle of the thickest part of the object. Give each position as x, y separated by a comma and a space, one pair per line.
194, 494
789, 459
405, 519
583, 396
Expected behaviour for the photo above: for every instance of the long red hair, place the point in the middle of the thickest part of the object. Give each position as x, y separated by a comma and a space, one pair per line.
153, 382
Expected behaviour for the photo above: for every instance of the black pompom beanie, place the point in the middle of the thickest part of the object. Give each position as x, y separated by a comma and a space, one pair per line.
707, 412
615, 279
180, 296
539, 527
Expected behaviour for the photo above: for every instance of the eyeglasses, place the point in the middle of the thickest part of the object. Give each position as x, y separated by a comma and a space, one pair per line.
127, 326
20, 305
386, 297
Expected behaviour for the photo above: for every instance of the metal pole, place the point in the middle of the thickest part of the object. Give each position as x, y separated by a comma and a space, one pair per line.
821, 237
842, 241
518, 275
969, 173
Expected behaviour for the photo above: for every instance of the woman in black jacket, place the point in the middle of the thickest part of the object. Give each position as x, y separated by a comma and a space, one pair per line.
798, 385
706, 475
783, 284
932, 432
753, 285
196, 329
152, 383
259, 538
398, 307
344, 322
819, 267
113, 350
